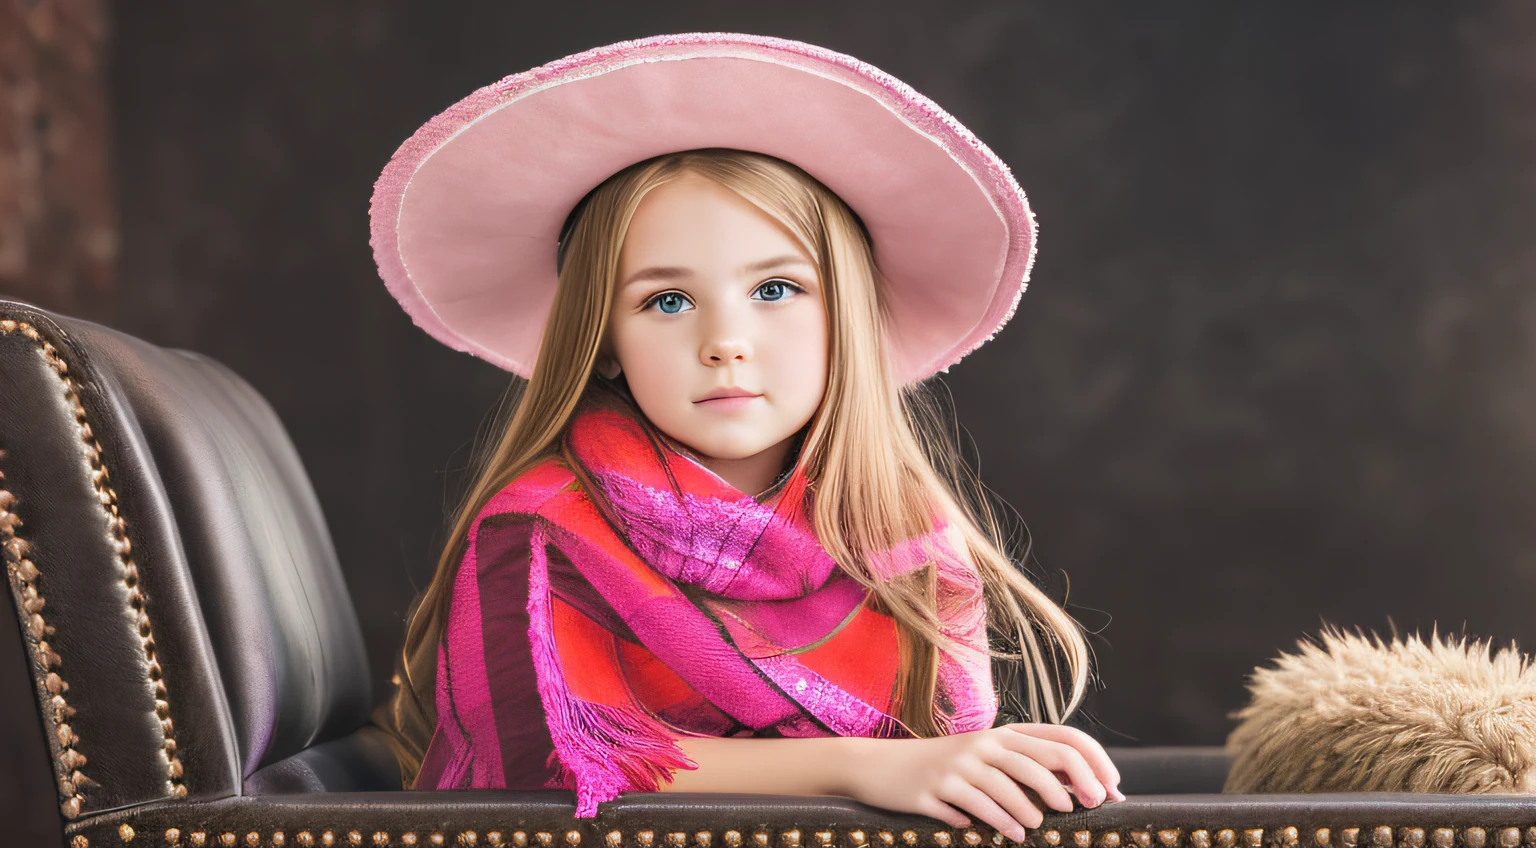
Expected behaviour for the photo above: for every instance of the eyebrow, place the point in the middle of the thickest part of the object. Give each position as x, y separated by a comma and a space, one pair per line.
673, 272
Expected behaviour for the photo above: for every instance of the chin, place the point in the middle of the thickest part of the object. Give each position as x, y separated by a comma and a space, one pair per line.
731, 449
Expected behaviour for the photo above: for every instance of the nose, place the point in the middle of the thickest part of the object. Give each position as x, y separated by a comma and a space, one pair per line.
721, 349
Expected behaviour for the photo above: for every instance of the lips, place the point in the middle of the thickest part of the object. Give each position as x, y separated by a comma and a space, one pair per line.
718, 394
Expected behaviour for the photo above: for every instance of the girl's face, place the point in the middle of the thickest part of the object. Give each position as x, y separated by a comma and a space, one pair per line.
715, 297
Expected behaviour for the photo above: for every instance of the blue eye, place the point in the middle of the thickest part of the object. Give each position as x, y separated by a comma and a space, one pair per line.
671, 303
777, 289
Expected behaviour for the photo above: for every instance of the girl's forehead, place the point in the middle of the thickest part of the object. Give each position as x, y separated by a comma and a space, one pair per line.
705, 223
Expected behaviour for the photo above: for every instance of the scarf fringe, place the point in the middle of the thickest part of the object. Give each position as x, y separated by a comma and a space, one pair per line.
600, 750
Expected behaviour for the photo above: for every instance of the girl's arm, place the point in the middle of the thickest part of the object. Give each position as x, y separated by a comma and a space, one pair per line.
981, 774
823, 765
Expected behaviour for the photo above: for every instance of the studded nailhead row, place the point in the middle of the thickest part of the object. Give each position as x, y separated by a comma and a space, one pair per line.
24, 576
67, 763
1349, 837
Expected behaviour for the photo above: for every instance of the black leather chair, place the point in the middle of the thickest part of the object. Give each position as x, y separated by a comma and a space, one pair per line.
182, 664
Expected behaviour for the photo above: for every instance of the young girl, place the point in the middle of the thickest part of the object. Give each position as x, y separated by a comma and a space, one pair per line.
724, 505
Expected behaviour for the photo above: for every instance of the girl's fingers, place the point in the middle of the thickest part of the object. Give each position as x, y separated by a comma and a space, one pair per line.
976, 802
1090, 749
1059, 757
936, 809
1008, 794
1026, 771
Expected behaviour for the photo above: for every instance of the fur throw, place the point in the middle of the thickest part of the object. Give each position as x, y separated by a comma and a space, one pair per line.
1358, 715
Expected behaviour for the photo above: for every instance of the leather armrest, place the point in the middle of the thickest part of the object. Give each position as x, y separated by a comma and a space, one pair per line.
361, 761
702, 820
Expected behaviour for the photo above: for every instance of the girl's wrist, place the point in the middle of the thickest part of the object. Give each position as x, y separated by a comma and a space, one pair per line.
846, 777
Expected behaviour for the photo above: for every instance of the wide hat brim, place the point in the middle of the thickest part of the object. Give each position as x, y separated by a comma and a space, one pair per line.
467, 214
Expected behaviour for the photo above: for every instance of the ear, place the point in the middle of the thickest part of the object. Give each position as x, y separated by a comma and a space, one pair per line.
607, 366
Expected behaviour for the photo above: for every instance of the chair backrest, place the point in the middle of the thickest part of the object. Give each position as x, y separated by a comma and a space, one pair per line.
178, 591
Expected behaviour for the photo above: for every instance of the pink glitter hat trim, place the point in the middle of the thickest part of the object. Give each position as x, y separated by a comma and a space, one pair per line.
466, 215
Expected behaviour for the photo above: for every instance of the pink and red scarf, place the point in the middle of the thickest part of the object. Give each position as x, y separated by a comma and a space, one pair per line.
699, 611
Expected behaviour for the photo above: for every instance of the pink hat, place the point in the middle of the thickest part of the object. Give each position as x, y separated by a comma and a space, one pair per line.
467, 213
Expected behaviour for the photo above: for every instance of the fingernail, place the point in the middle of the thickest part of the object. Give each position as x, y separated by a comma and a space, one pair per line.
1018, 835
1115, 793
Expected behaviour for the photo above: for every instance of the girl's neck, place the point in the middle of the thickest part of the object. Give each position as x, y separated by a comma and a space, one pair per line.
758, 475
753, 475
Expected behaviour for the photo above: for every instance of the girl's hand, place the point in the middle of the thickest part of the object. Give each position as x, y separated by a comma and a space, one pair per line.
985, 772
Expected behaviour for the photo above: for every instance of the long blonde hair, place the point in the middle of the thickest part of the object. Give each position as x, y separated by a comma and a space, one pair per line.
879, 455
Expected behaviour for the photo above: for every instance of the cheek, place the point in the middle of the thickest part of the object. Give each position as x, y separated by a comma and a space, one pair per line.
644, 349
800, 355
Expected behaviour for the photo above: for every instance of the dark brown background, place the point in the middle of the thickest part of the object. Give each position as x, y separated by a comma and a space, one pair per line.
1276, 366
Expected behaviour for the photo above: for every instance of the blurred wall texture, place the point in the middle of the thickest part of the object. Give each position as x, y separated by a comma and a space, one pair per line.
1276, 367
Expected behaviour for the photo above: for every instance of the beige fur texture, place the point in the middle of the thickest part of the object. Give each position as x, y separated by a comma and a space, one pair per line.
1363, 715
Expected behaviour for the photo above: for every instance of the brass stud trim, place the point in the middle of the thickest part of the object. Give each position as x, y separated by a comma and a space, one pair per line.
107, 496
24, 575
1378, 836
